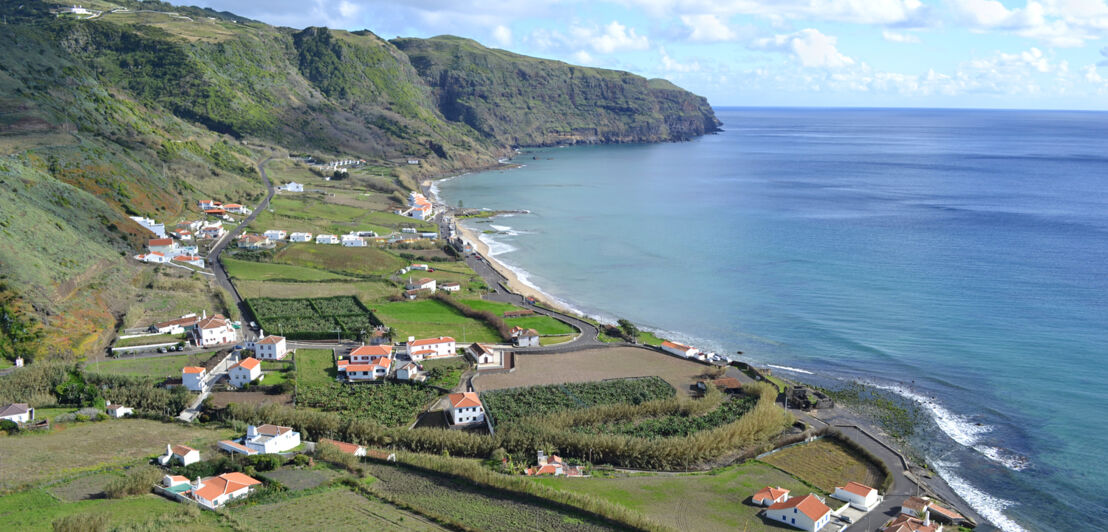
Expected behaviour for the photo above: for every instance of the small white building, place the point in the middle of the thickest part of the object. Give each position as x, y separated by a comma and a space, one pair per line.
154, 227
154, 257
680, 350
177, 326
422, 267
858, 495
181, 454
263, 439
466, 409
211, 230
353, 241
768, 496
192, 378
482, 354
191, 260
408, 372
443, 346
165, 246
327, 239
806, 513
300, 237
236, 208
271, 347
425, 283
254, 242
206, 205
452, 286
525, 337
245, 372
348, 448
118, 411
18, 412
214, 492
275, 234
293, 186
215, 330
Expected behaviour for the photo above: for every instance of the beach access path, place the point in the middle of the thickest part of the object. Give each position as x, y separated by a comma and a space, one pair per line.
216, 264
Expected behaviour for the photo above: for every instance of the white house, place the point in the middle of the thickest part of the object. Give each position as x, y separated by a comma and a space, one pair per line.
466, 408
154, 227
118, 411
211, 230
264, 439
353, 241
165, 246
214, 492
481, 353
300, 237
769, 495
177, 326
327, 239
275, 234
369, 353
206, 205
442, 346
806, 513
190, 259
245, 372
452, 286
215, 330
271, 347
680, 350
907, 523
154, 257
422, 267
408, 372
192, 378
182, 234
370, 371
18, 412
254, 242
181, 454
858, 495
293, 186
425, 283
236, 208
525, 337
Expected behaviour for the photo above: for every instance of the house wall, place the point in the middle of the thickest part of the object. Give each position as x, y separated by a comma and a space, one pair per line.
467, 415
797, 519
21, 418
192, 381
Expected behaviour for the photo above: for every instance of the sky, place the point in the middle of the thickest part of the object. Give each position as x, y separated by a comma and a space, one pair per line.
1025, 54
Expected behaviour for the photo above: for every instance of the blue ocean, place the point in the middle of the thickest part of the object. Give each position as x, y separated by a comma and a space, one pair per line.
958, 258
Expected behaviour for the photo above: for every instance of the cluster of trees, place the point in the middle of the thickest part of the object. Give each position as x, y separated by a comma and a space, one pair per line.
65, 384
20, 332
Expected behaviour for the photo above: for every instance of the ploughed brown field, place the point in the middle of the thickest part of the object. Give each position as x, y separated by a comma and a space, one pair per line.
594, 365
222, 399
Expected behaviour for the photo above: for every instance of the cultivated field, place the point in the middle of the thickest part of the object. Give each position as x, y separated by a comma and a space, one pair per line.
315, 367
826, 463
34, 457
302, 479
715, 501
222, 399
313, 318
594, 365
506, 406
157, 367
337, 509
429, 318
358, 261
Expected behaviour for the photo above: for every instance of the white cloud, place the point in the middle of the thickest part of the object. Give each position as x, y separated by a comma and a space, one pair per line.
347, 9
1091, 75
1060, 23
582, 57
670, 65
809, 46
614, 37
707, 28
893, 36
502, 35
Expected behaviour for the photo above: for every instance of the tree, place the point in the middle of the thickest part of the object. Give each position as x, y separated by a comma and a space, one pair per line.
19, 332
628, 329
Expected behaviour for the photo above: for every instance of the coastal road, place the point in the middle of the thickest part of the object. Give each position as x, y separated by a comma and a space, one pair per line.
220, 272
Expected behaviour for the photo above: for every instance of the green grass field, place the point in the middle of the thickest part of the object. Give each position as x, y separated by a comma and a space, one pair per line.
262, 271
429, 318
712, 501
35, 509
52, 412
157, 367
445, 372
80, 447
545, 325
353, 512
150, 340
826, 463
314, 367
358, 261
367, 291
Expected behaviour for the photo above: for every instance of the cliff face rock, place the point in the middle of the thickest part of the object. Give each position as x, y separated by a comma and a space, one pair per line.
520, 100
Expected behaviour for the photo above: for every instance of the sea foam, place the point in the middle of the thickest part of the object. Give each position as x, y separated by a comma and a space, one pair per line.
791, 369
989, 506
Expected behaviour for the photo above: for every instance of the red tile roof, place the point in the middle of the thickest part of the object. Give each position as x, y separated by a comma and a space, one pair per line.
348, 448
675, 345
809, 505
270, 429
213, 487
250, 363
192, 369
462, 400
857, 489
430, 341
372, 350
948, 513
160, 242
768, 494
271, 339
181, 450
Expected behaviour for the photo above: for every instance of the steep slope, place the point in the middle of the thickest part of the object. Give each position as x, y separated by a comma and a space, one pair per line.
520, 100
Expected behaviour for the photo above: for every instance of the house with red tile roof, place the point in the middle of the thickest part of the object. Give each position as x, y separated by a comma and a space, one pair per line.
553, 466
680, 350
806, 513
525, 337
270, 347
165, 246
192, 378
245, 372
424, 283
918, 506
465, 409
214, 492
426, 348
371, 371
181, 454
215, 330
769, 495
190, 259
858, 495
368, 353
907, 523
482, 353
183, 324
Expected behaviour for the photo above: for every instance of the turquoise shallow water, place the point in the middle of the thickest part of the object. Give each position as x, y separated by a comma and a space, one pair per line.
959, 258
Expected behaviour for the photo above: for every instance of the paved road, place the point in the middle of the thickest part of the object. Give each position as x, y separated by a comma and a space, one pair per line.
214, 255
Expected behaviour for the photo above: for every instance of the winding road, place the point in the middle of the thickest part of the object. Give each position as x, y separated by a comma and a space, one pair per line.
220, 272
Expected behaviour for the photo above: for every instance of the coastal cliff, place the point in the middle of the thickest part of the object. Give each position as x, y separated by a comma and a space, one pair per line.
525, 101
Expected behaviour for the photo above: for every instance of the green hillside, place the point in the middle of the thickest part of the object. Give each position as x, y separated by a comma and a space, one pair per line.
149, 107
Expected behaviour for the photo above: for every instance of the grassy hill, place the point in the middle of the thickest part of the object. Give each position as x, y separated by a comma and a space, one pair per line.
149, 107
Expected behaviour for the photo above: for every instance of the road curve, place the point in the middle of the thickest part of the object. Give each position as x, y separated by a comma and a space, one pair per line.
216, 264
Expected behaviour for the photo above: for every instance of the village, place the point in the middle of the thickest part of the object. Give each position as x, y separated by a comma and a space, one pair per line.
298, 385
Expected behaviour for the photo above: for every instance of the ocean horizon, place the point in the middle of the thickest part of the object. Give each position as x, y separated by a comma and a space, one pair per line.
956, 258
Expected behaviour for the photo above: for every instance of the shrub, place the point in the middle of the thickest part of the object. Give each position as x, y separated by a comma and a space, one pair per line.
301, 460
81, 523
265, 462
137, 480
